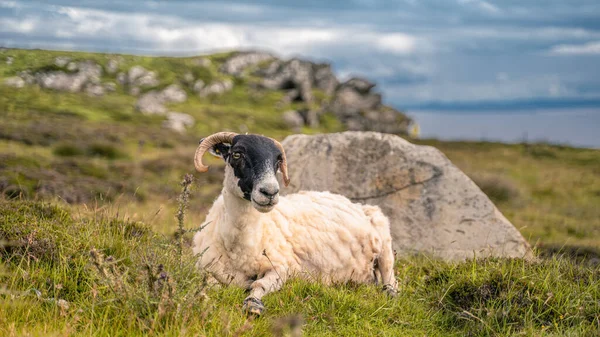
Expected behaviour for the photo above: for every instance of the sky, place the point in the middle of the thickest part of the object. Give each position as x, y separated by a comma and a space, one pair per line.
456, 60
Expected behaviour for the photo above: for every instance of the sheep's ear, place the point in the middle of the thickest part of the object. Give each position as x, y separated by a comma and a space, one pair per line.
220, 150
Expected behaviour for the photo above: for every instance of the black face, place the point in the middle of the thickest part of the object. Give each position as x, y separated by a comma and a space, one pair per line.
251, 157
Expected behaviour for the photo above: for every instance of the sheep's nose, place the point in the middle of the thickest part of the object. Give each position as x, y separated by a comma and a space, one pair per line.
269, 192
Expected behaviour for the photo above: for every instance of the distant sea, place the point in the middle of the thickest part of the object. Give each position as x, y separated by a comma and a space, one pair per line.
575, 127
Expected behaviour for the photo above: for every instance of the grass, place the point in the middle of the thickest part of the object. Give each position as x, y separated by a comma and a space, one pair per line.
105, 275
95, 239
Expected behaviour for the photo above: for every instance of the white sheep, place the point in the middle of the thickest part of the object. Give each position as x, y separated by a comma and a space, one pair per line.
255, 239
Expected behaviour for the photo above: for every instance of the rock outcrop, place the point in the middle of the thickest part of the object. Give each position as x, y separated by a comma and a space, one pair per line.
353, 102
433, 207
310, 89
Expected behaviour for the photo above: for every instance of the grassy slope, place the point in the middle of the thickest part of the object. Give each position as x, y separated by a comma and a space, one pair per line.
117, 296
115, 174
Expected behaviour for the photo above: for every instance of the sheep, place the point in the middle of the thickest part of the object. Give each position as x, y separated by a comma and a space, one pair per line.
256, 239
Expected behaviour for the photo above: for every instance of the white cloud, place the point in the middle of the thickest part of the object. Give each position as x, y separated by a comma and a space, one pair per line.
22, 26
590, 48
165, 34
481, 5
9, 4
397, 43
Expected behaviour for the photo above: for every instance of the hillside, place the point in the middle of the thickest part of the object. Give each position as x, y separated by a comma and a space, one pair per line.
91, 163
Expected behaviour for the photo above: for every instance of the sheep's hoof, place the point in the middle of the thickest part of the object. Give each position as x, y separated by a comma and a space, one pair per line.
390, 290
253, 306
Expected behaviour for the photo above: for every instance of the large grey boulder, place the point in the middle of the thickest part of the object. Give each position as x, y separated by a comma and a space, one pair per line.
434, 208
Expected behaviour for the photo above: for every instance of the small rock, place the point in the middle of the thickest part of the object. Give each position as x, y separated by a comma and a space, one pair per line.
151, 103
361, 85
134, 91
178, 121
135, 72
293, 74
110, 86
349, 102
217, 88
198, 85
272, 69
311, 117
72, 66
188, 78
325, 79
15, 82
90, 70
293, 119
94, 90
148, 80
174, 93
9, 60
27, 77
138, 75
58, 80
62, 61
112, 66
236, 64
122, 78
63, 304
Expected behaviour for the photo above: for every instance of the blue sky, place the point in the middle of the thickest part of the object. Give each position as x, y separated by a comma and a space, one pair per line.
447, 56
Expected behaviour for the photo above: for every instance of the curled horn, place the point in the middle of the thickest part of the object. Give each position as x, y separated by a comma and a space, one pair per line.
207, 143
283, 164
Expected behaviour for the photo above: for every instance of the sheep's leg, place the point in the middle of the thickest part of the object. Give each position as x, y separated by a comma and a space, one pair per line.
385, 266
259, 288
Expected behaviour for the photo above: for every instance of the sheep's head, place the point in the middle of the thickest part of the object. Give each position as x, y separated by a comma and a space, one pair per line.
251, 164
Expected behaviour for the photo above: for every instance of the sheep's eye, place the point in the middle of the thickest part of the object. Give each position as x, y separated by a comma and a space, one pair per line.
236, 155
217, 151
